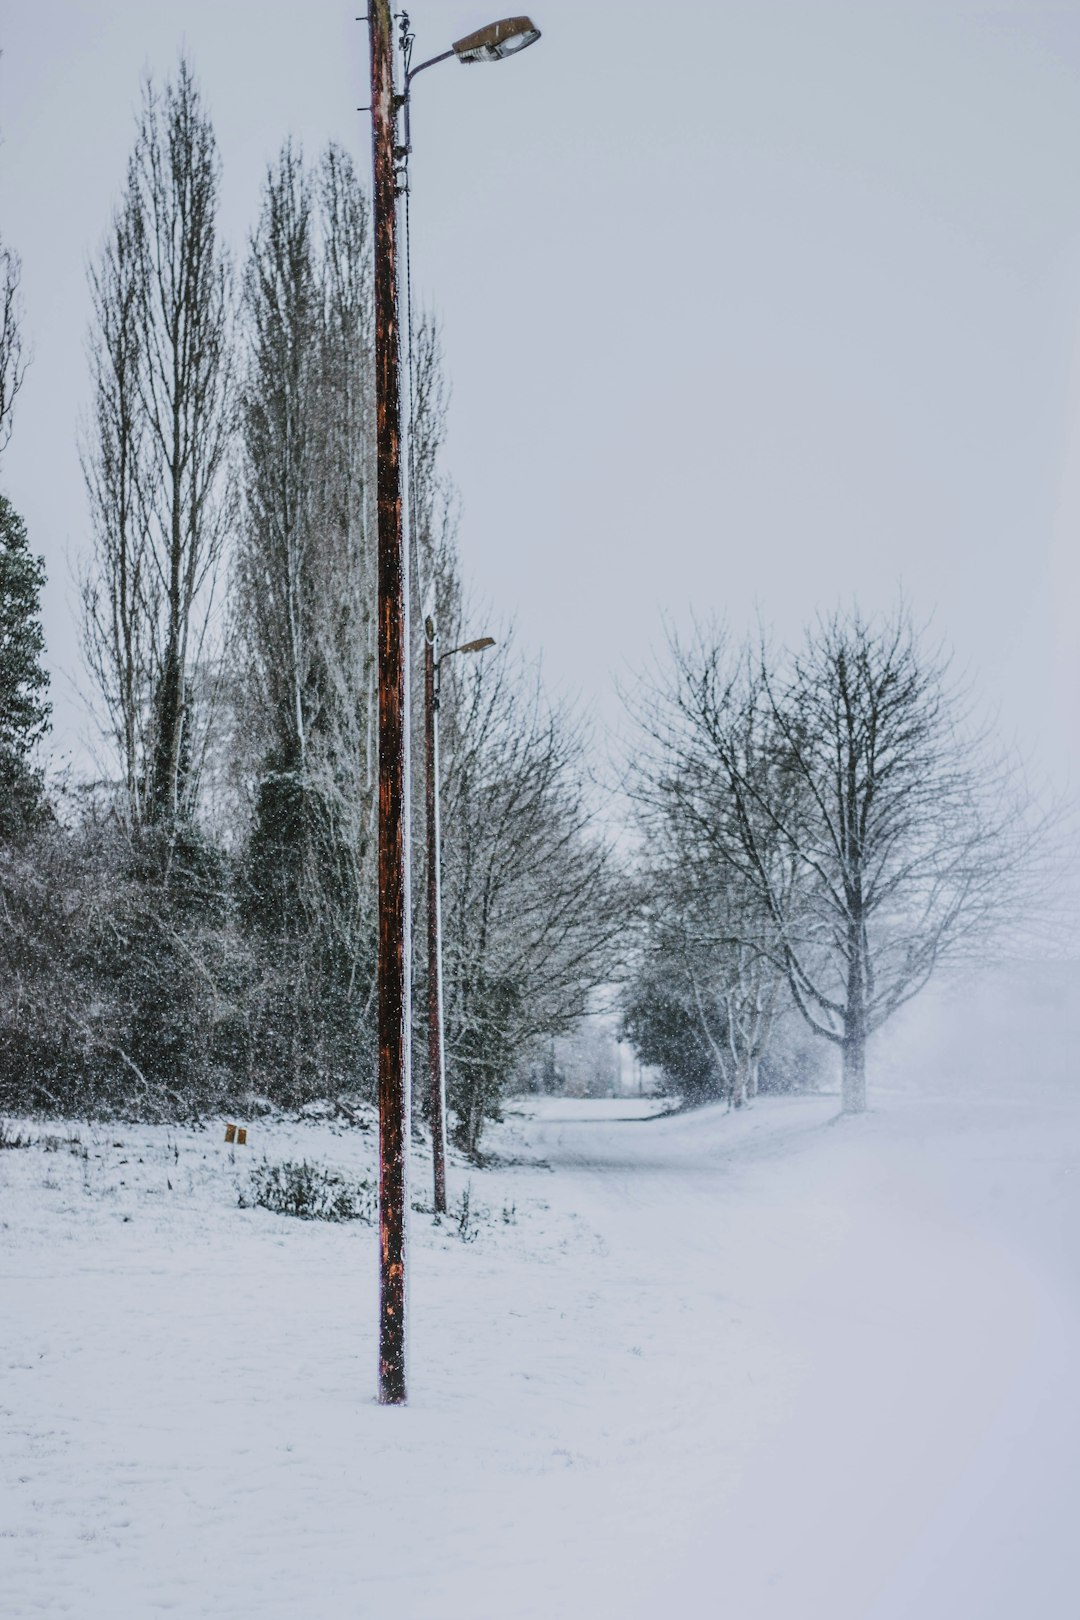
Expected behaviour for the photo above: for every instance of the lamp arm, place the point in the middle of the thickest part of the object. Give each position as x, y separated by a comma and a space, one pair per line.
431, 61
404, 102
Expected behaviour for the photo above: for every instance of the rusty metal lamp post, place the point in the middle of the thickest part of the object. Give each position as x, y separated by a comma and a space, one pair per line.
436, 1057
394, 930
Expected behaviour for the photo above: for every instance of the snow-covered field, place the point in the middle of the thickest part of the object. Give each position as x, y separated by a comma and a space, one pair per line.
769, 1365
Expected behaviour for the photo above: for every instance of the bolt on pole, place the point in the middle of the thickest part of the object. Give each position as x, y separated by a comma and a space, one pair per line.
394, 993
436, 1062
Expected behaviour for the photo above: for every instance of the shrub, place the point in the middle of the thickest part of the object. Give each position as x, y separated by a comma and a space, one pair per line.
310, 1191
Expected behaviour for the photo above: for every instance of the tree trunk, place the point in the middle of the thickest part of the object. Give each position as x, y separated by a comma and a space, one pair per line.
853, 1074
165, 805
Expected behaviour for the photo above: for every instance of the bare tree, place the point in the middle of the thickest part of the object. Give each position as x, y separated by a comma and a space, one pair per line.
713, 947
433, 504
878, 831
305, 592
704, 923
156, 457
12, 356
347, 426
533, 913
120, 590
186, 388
281, 419
305, 584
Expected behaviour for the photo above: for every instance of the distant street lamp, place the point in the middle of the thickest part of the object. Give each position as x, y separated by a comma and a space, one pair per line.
394, 928
436, 1055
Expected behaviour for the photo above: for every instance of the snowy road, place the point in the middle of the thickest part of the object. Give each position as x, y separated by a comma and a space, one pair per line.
872, 1336
774, 1367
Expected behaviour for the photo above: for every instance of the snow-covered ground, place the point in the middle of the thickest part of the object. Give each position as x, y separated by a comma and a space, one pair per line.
767, 1365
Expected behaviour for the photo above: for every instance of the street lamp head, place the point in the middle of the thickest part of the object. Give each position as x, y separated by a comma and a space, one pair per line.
476, 646
497, 40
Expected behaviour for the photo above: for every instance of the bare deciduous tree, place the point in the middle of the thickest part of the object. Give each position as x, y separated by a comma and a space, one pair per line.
705, 924
156, 457
850, 795
712, 946
305, 587
120, 591
433, 507
281, 419
532, 910
12, 356
186, 386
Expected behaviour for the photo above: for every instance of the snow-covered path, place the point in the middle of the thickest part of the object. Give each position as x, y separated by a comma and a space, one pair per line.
872, 1334
763, 1366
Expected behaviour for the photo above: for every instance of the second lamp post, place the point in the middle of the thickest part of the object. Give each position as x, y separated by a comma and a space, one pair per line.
436, 1048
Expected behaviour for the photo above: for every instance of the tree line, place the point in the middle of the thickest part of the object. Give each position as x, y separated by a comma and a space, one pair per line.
196, 929
817, 831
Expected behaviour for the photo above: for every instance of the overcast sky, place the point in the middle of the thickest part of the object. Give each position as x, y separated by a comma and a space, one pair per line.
749, 307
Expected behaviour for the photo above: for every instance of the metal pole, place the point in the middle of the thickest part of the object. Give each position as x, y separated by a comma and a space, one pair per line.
436, 1063
393, 641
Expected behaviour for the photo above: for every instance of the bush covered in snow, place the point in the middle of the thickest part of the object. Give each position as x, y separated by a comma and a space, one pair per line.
311, 1191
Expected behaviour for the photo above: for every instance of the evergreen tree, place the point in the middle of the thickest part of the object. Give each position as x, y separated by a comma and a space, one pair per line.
24, 711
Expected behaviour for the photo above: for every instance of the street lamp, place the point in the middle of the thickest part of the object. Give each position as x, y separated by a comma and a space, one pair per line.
491, 44
488, 44
436, 1057
394, 928
497, 40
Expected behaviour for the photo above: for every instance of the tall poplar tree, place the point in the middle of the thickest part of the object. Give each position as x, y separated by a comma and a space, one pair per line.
156, 457
304, 602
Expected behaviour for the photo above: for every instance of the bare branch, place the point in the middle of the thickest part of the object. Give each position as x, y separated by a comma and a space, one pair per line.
13, 359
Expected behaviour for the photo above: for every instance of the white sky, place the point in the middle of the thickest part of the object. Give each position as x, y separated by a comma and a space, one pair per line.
754, 306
